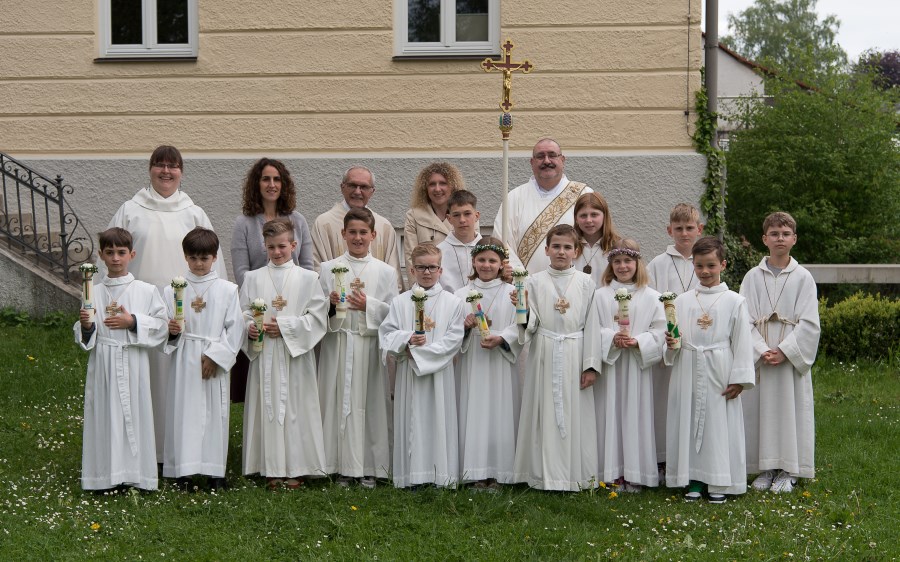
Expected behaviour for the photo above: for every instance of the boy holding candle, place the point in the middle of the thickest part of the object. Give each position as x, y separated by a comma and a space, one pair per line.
713, 365
353, 386
204, 346
424, 331
672, 272
282, 419
784, 315
129, 320
456, 249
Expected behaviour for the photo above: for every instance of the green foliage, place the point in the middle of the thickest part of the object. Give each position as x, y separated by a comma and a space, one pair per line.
862, 326
831, 158
714, 178
786, 35
741, 257
12, 317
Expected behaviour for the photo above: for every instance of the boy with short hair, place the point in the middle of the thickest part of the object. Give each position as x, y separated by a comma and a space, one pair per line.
130, 319
282, 418
203, 352
705, 425
353, 386
672, 271
784, 316
426, 440
456, 249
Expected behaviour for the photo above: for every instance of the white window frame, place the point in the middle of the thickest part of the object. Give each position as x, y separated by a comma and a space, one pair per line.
448, 46
150, 47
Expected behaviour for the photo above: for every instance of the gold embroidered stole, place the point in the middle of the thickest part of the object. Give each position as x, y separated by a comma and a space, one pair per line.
548, 218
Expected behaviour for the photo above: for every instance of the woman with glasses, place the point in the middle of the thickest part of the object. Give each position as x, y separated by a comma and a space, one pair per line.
426, 220
269, 192
158, 217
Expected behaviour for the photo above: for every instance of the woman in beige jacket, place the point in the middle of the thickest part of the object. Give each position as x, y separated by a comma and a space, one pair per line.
426, 220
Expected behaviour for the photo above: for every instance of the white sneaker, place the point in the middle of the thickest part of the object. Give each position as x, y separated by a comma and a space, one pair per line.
344, 481
784, 483
367, 482
764, 481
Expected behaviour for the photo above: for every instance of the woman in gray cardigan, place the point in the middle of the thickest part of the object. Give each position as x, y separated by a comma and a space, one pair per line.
269, 193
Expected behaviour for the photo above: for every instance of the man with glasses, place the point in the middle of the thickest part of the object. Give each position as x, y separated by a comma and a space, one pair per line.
537, 206
357, 187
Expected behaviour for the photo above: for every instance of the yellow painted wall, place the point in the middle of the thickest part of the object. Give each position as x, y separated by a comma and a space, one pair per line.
303, 77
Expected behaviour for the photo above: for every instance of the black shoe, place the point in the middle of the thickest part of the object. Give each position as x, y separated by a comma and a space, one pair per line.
185, 484
218, 484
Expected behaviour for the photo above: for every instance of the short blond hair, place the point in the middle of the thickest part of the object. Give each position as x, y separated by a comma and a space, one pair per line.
683, 212
276, 227
422, 250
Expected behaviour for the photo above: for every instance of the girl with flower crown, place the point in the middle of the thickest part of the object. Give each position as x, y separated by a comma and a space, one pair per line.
489, 396
625, 336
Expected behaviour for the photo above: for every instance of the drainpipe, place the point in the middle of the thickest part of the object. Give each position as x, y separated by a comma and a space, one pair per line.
712, 62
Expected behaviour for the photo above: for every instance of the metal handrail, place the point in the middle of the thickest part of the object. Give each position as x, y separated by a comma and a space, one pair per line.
36, 219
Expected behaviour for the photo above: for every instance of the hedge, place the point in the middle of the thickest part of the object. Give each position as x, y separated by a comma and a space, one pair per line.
862, 326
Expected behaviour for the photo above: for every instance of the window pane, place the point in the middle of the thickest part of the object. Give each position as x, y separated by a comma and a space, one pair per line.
126, 17
171, 21
471, 20
424, 21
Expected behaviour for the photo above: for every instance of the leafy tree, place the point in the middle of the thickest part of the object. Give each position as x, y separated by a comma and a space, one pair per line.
787, 35
831, 158
886, 67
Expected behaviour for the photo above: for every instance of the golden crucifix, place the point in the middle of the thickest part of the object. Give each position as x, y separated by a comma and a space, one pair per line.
507, 67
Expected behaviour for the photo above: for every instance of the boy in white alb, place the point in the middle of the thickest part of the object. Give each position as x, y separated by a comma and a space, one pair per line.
426, 439
353, 386
556, 447
672, 271
784, 314
130, 320
203, 351
712, 366
456, 248
282, 420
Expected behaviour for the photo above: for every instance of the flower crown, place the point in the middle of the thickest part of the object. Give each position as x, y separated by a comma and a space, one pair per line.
623, 252
500, 250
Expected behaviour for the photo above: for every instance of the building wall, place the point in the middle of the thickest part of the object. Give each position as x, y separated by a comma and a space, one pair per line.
316, 84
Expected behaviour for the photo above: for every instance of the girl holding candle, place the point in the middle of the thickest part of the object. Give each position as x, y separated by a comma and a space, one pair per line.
426, 438
490, 396
626, 341
353, 385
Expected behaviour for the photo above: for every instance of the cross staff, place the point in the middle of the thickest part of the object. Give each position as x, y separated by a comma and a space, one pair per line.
507, 67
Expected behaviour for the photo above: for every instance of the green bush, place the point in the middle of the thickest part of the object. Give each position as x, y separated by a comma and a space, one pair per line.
741, 257
862, 326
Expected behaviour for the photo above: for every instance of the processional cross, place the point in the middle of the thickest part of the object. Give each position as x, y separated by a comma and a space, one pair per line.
507, 67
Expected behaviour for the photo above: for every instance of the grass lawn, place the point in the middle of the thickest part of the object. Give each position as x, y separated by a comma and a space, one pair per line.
849, 512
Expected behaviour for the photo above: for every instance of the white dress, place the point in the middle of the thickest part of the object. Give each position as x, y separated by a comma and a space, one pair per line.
704, 431
778, 413
526, 203
353, 386
197, 410
282, 419
595, 257
556, 447
426, 446
119, 445
623, 393
490, 397
669, 271
158, 225
456, 261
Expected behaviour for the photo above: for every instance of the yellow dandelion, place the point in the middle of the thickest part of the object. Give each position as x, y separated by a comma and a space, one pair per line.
806, 494
30, 358
602, 484
613, 495
353, 507
95, 527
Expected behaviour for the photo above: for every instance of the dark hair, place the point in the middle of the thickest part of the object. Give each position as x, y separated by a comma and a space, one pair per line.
276, 227
487, 241
166, 154
565, 230
116, 236
252, 198
200, 242
708, 245
779, 218
361, 214
462, 197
